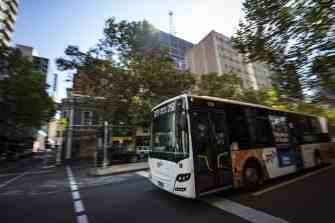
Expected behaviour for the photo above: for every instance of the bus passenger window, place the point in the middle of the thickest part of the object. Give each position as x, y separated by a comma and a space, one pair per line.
238, 126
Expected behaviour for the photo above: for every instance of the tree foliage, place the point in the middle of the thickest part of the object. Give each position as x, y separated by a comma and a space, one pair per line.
225, 86
25, 104
129, 69
229, 86
284, 33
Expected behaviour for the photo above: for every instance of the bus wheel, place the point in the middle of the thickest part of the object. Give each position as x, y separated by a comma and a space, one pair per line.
252, 175
317, 159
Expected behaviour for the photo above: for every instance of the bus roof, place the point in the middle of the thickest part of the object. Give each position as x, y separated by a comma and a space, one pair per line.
230, 102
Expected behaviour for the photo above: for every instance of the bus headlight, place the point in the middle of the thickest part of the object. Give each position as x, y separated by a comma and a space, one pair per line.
183, 177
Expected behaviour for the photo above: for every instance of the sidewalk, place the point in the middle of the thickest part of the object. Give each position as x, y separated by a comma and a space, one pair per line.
118, 169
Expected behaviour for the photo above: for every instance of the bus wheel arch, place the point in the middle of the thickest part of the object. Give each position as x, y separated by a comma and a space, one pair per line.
252, 174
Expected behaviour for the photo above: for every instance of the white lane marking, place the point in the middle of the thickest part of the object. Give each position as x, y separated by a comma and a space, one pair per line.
13, 179
242, 211
143, 173
74, 187
78, 206
75, 195
77, 203
82, 218
41, 172
72, 182
30, 172
258, 193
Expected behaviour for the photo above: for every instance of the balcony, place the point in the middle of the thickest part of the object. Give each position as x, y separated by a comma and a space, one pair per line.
9, 24
11, 15
3, 40
6, 34
13, 5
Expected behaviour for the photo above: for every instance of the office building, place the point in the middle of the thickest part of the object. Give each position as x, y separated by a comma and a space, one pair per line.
215, 54
177, 48
40, 63
8, 12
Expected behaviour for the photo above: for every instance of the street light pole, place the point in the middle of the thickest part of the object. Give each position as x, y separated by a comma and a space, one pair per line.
105, 162
69, 132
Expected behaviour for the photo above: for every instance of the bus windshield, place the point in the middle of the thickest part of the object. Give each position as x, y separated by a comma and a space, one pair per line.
167, 136
164, 134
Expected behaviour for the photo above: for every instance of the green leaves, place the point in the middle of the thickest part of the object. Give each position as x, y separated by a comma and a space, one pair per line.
24, 102
225, 86
289, 33
129, 69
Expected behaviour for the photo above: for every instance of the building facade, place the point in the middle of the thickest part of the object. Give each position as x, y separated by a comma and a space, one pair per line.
8, 12
177, 46
216, 54
40, 63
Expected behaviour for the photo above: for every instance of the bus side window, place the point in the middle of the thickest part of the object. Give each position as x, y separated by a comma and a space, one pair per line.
238, 126
262, 128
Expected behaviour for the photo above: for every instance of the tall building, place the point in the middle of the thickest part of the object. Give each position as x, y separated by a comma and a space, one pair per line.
8, 12
177, 46
215, 54
40, 63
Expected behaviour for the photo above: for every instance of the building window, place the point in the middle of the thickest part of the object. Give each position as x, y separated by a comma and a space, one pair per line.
86, 117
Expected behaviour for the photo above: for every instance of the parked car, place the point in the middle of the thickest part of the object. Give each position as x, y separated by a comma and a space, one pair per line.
142, 151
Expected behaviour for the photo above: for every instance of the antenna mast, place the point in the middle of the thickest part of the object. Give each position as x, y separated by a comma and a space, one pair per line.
172, 26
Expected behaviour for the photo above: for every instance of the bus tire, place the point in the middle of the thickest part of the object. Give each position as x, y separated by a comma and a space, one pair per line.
252, 175
317, 159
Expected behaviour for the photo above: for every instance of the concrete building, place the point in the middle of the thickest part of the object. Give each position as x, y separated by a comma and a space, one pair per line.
177, 46
40, 63
8, 12
215, 54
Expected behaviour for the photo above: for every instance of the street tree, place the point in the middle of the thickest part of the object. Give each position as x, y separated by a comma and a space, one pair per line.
289, 33
129, 68
24, 101
226, 86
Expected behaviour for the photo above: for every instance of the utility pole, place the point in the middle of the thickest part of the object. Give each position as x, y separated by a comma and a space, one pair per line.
69, 132
105, 161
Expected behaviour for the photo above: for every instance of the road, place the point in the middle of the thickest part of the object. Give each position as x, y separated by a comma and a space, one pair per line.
31, 193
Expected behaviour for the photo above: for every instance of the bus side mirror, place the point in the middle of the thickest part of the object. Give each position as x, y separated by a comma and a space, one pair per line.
183, 122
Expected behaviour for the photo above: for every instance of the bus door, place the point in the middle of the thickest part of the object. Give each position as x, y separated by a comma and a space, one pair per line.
203, 153
223, 166
211, 151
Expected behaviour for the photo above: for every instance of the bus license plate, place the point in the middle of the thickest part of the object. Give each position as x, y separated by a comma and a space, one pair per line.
160, 184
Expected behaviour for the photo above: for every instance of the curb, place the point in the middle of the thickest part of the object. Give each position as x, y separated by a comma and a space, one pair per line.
94, 173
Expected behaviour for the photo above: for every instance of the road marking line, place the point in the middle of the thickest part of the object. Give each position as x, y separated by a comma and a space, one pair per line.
72, 182
143, 173
78, 206
41, 172
82, 218
75, 195
30, 172
74, 187
77, 203
242, 211
13, 179
258, 193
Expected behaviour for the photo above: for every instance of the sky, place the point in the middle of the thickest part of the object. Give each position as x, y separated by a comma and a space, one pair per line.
51, 25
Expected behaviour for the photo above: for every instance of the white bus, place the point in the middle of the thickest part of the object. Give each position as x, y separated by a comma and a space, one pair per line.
204, 144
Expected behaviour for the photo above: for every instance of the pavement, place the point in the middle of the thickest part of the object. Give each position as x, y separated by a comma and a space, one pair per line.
31, 193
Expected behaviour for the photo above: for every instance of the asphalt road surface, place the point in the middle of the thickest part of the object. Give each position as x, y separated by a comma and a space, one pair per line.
30, 192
